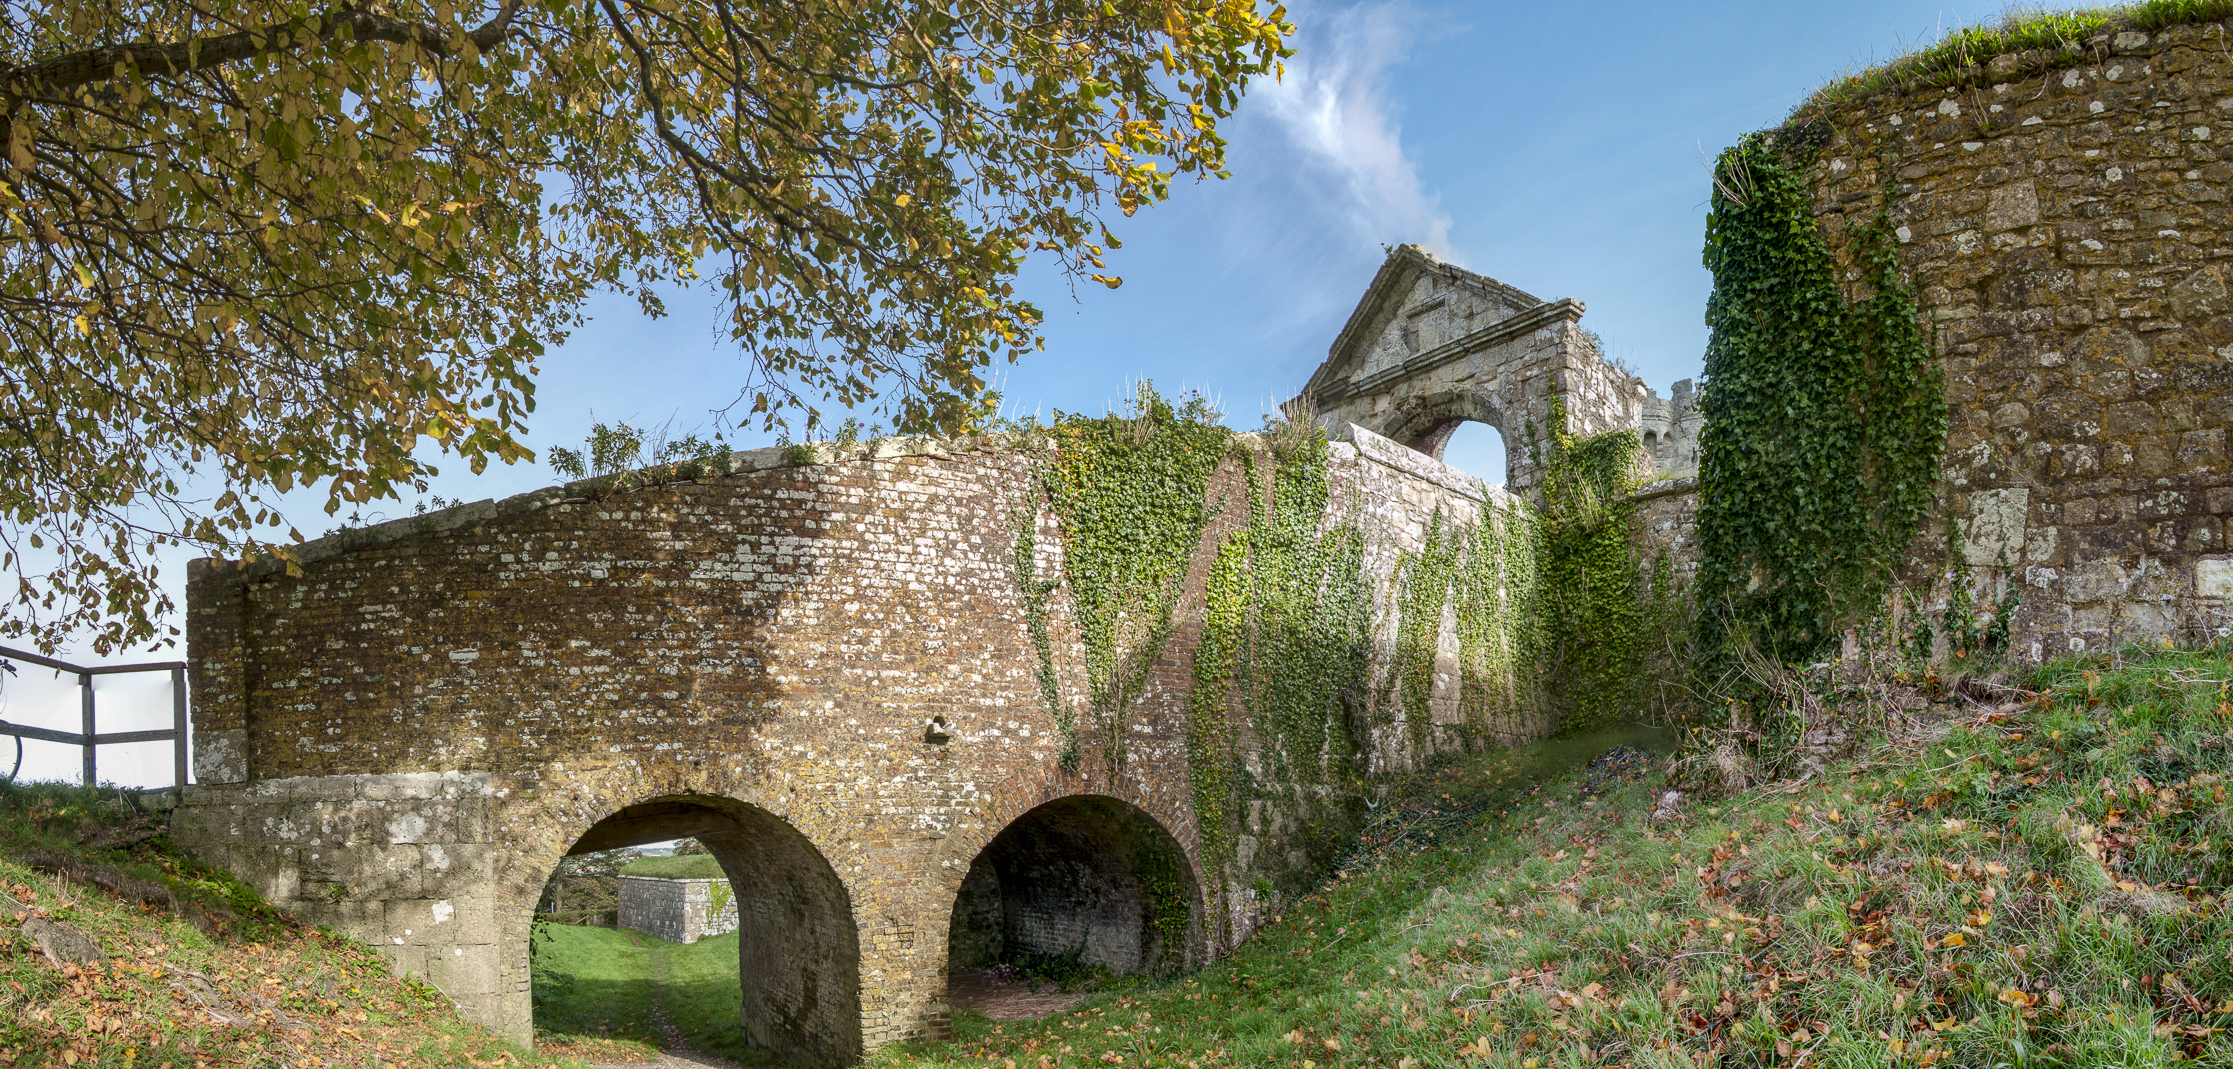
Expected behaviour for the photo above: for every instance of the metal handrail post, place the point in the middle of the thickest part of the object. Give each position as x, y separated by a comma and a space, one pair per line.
85, 687
178, 724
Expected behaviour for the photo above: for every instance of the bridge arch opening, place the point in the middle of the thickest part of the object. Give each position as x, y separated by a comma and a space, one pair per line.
798, 949
1076, 885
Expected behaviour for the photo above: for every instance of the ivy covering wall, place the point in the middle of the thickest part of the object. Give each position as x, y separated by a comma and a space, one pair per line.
1824, 416
1287, 703
1129, 492
1285, 649
1592, 597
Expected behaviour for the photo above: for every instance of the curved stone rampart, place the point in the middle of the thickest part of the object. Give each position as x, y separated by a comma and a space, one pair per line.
2067, 225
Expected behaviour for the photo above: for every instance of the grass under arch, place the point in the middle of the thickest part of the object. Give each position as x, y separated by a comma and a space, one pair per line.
2038, 885
605, 983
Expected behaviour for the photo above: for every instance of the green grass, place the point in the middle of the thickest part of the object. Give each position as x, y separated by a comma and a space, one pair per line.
1958, 58
606, 983
222, 980
677, 867
2044, 886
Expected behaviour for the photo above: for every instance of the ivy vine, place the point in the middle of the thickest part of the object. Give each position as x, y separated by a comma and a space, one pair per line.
1286, 620
1592, 595
1545, 599
1035, 592
1130, 494
1825, 419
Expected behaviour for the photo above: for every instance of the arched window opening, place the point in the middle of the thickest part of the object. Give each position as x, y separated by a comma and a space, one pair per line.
744, 951
1478, 450
1075, 887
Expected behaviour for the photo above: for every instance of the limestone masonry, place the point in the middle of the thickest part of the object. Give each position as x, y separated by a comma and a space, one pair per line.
2069, 232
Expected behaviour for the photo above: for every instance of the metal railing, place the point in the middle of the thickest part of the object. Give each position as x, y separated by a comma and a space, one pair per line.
91, 738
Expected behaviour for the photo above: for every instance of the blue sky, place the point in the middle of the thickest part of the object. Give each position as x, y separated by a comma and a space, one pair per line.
1562, 148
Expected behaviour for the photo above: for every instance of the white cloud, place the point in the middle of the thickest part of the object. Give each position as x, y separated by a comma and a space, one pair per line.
1332, 107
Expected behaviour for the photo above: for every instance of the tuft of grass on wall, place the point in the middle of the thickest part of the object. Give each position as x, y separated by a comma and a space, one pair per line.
1958, 58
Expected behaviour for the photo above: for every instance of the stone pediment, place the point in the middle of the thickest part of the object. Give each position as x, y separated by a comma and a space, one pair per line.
1417, 306
1432, 346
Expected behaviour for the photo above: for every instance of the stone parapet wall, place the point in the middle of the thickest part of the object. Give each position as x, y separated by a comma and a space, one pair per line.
2070, 231
1397, 493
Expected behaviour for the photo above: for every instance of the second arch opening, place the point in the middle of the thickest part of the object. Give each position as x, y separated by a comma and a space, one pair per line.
1077, 886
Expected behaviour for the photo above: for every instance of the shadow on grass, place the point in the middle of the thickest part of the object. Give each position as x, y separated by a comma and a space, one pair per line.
606, 983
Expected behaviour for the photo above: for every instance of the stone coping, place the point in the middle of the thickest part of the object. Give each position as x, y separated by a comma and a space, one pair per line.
1387, 452
1681, 484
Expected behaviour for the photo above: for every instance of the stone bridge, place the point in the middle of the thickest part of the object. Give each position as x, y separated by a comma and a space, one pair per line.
818, 661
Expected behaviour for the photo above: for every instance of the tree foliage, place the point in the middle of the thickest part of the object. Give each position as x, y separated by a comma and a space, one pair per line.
257, 245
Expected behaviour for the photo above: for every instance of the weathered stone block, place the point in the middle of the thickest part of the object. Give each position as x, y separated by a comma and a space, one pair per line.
2095, 580
220, 755
1995, 530
2213, 577
463, 972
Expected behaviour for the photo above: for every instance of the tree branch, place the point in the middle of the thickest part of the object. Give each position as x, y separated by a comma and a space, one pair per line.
95, 65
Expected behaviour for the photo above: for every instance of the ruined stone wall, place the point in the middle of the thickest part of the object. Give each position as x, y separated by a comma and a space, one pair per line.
1667, 526
678, 911
1396, 493
1669, 428
818, 656
2070, 231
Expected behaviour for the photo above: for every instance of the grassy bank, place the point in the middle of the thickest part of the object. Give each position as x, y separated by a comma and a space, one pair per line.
181, 966
2038, 883
676, 867
601, 983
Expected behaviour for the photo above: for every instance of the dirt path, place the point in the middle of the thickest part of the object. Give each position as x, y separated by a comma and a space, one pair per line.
675, 1051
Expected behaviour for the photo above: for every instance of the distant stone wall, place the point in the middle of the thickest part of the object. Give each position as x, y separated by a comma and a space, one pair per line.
2068, 228
678, 911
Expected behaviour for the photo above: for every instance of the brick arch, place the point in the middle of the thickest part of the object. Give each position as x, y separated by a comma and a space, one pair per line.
1087, 843
1023, 791
799, 940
